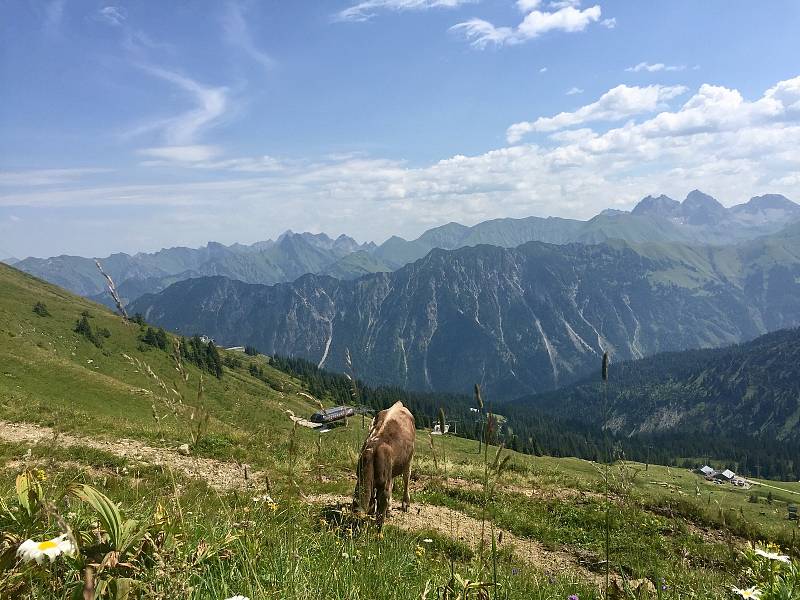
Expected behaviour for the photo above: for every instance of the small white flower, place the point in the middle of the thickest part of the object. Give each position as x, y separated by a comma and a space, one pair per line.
30, 550
427, 541
238, 598
752, 592
773, 556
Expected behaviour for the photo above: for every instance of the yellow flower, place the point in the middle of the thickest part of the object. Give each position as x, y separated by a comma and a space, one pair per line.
30, 550
752, 592
420, 551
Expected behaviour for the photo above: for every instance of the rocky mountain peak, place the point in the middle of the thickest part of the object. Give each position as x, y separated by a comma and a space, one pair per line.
768, 202
701, 209
662, 206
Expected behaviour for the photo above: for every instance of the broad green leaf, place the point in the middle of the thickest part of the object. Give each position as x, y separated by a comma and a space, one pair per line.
107, 511
29, 492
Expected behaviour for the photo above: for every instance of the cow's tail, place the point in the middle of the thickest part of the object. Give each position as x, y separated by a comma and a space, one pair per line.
365, 488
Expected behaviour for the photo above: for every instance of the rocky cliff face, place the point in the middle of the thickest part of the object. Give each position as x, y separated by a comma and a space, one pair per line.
518, 321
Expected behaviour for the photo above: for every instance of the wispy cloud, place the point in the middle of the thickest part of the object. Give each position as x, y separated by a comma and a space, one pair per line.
113, 15
543, 70
194, 159
182, 153
567, 18
364, 11
183, 129
574, 91
179, 134
237, 34
43, 177
53, 15
616, 104
654, 67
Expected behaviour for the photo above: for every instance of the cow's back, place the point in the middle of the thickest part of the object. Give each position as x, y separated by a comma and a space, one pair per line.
395, 427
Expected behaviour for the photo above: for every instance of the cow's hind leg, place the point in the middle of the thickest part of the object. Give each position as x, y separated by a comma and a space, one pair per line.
406, 492
383, 484
384, 502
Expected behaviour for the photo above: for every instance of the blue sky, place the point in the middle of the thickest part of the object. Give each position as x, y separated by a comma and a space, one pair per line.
128, 126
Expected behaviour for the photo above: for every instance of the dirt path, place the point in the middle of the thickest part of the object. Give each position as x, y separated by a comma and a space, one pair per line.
220, 475
459, 526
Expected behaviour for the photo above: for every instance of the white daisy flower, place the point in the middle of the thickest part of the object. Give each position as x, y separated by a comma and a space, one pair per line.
752, 592
773, 556
30, 550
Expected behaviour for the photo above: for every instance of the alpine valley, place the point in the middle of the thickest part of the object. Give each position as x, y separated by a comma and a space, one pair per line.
527, 318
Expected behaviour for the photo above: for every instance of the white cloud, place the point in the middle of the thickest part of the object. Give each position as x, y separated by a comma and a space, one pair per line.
543, 70
113, 15
364, 11
237, 33
569, 19
528, 5
654, 67
616, 104
573, 91
610, 23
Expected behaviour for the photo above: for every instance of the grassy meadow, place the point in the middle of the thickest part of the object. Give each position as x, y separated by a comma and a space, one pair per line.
258, 507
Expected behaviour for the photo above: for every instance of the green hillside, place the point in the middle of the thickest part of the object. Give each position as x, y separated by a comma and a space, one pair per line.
53, 376
113, 412
743, 392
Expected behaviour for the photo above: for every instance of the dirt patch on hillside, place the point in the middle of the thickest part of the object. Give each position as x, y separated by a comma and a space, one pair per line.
218, 474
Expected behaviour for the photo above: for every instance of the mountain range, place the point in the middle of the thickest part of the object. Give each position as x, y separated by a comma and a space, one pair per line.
518, 320
699, 219
285, 259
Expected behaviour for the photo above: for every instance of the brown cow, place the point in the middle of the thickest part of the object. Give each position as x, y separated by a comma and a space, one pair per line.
386, 453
